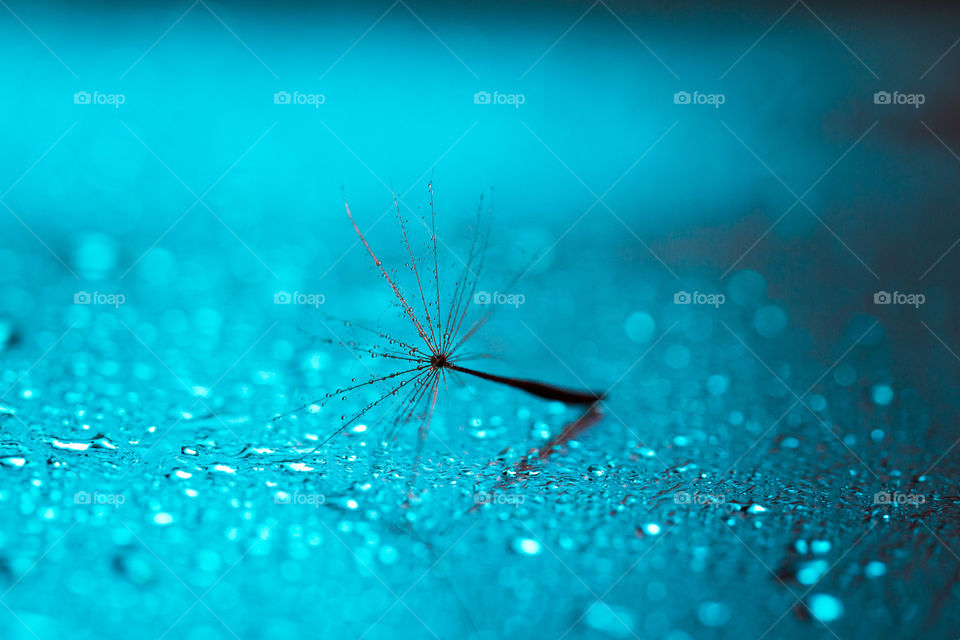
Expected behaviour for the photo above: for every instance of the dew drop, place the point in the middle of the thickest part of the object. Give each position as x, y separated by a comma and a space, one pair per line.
881, 394
70, 446
713, 614
825, 607
527, 546
101, 441
810, 572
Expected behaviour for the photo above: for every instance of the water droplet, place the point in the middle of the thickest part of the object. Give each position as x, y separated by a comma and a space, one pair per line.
713, 614
820, 546
70, 446
527, 546
639, 327
101, 441
825, 607
611, 620
717, 384
811, 571
388, 555
881, 394
875, 569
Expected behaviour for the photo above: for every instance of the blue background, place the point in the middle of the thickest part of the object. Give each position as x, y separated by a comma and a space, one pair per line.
199, 198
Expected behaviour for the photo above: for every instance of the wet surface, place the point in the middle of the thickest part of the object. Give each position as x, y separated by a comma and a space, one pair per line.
147, 490
774, 456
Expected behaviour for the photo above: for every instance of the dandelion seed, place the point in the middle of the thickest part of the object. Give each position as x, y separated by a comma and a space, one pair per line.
436, 350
